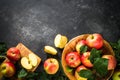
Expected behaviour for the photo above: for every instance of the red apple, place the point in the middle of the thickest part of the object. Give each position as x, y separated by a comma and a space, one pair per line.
7, 69
78, 77
111, 61
79, 44
13, 54
73, 59
94, 41
51, 65
85, 59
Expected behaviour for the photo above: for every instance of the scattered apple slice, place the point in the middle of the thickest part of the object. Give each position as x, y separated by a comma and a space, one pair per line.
25, 63
32, 59
60, 41
50, 50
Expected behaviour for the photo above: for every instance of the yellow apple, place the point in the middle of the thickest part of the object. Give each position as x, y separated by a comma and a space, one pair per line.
29, 62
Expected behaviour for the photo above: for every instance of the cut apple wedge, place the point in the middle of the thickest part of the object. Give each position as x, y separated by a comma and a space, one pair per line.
29, 62
33, 59
50, 50
25, 63
60, 41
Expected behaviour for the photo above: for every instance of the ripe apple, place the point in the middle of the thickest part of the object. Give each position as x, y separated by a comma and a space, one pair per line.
7, 69
79, 44
13, 54
85, 59
29, 62
73, 59
94, 41
116, 75
78, 77
51, 65
111, 61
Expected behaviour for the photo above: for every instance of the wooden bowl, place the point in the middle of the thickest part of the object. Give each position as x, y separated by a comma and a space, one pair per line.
70, 46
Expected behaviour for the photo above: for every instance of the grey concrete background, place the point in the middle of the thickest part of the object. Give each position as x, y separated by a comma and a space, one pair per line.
35, 23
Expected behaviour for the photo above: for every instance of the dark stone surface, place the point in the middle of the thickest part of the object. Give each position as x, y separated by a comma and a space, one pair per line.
35, 23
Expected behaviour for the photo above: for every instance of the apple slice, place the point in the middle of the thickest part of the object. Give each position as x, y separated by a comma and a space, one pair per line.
26, 63
33, 59
50, 50
60, 41
29, 62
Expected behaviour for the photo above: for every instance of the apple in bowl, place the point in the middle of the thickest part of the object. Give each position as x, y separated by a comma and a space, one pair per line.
85, 59
73, 59
77, 76
98, 43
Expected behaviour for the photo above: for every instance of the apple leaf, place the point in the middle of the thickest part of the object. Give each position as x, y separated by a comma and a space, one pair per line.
94, 54
69, 69
101, 65
32, 75
83, 49
86, 74
2, 58
116, 49
22, 73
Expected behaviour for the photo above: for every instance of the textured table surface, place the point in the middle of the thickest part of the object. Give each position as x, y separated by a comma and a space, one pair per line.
35, 23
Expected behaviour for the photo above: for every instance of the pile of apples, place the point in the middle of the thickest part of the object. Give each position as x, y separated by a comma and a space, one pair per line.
78, 61
8, 68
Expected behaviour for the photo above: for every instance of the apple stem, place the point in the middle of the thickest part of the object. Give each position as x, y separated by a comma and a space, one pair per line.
92, 37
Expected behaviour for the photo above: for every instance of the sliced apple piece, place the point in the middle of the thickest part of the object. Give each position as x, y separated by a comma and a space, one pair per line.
26, 63
50, 50
60, 41
57, 40
32, 59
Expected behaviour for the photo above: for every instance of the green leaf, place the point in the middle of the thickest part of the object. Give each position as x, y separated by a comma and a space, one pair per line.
83, 49
116, 49
86, 74
32, 75
95, 54
101, 65
22, 73
69, 69
43, 76
2, 58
